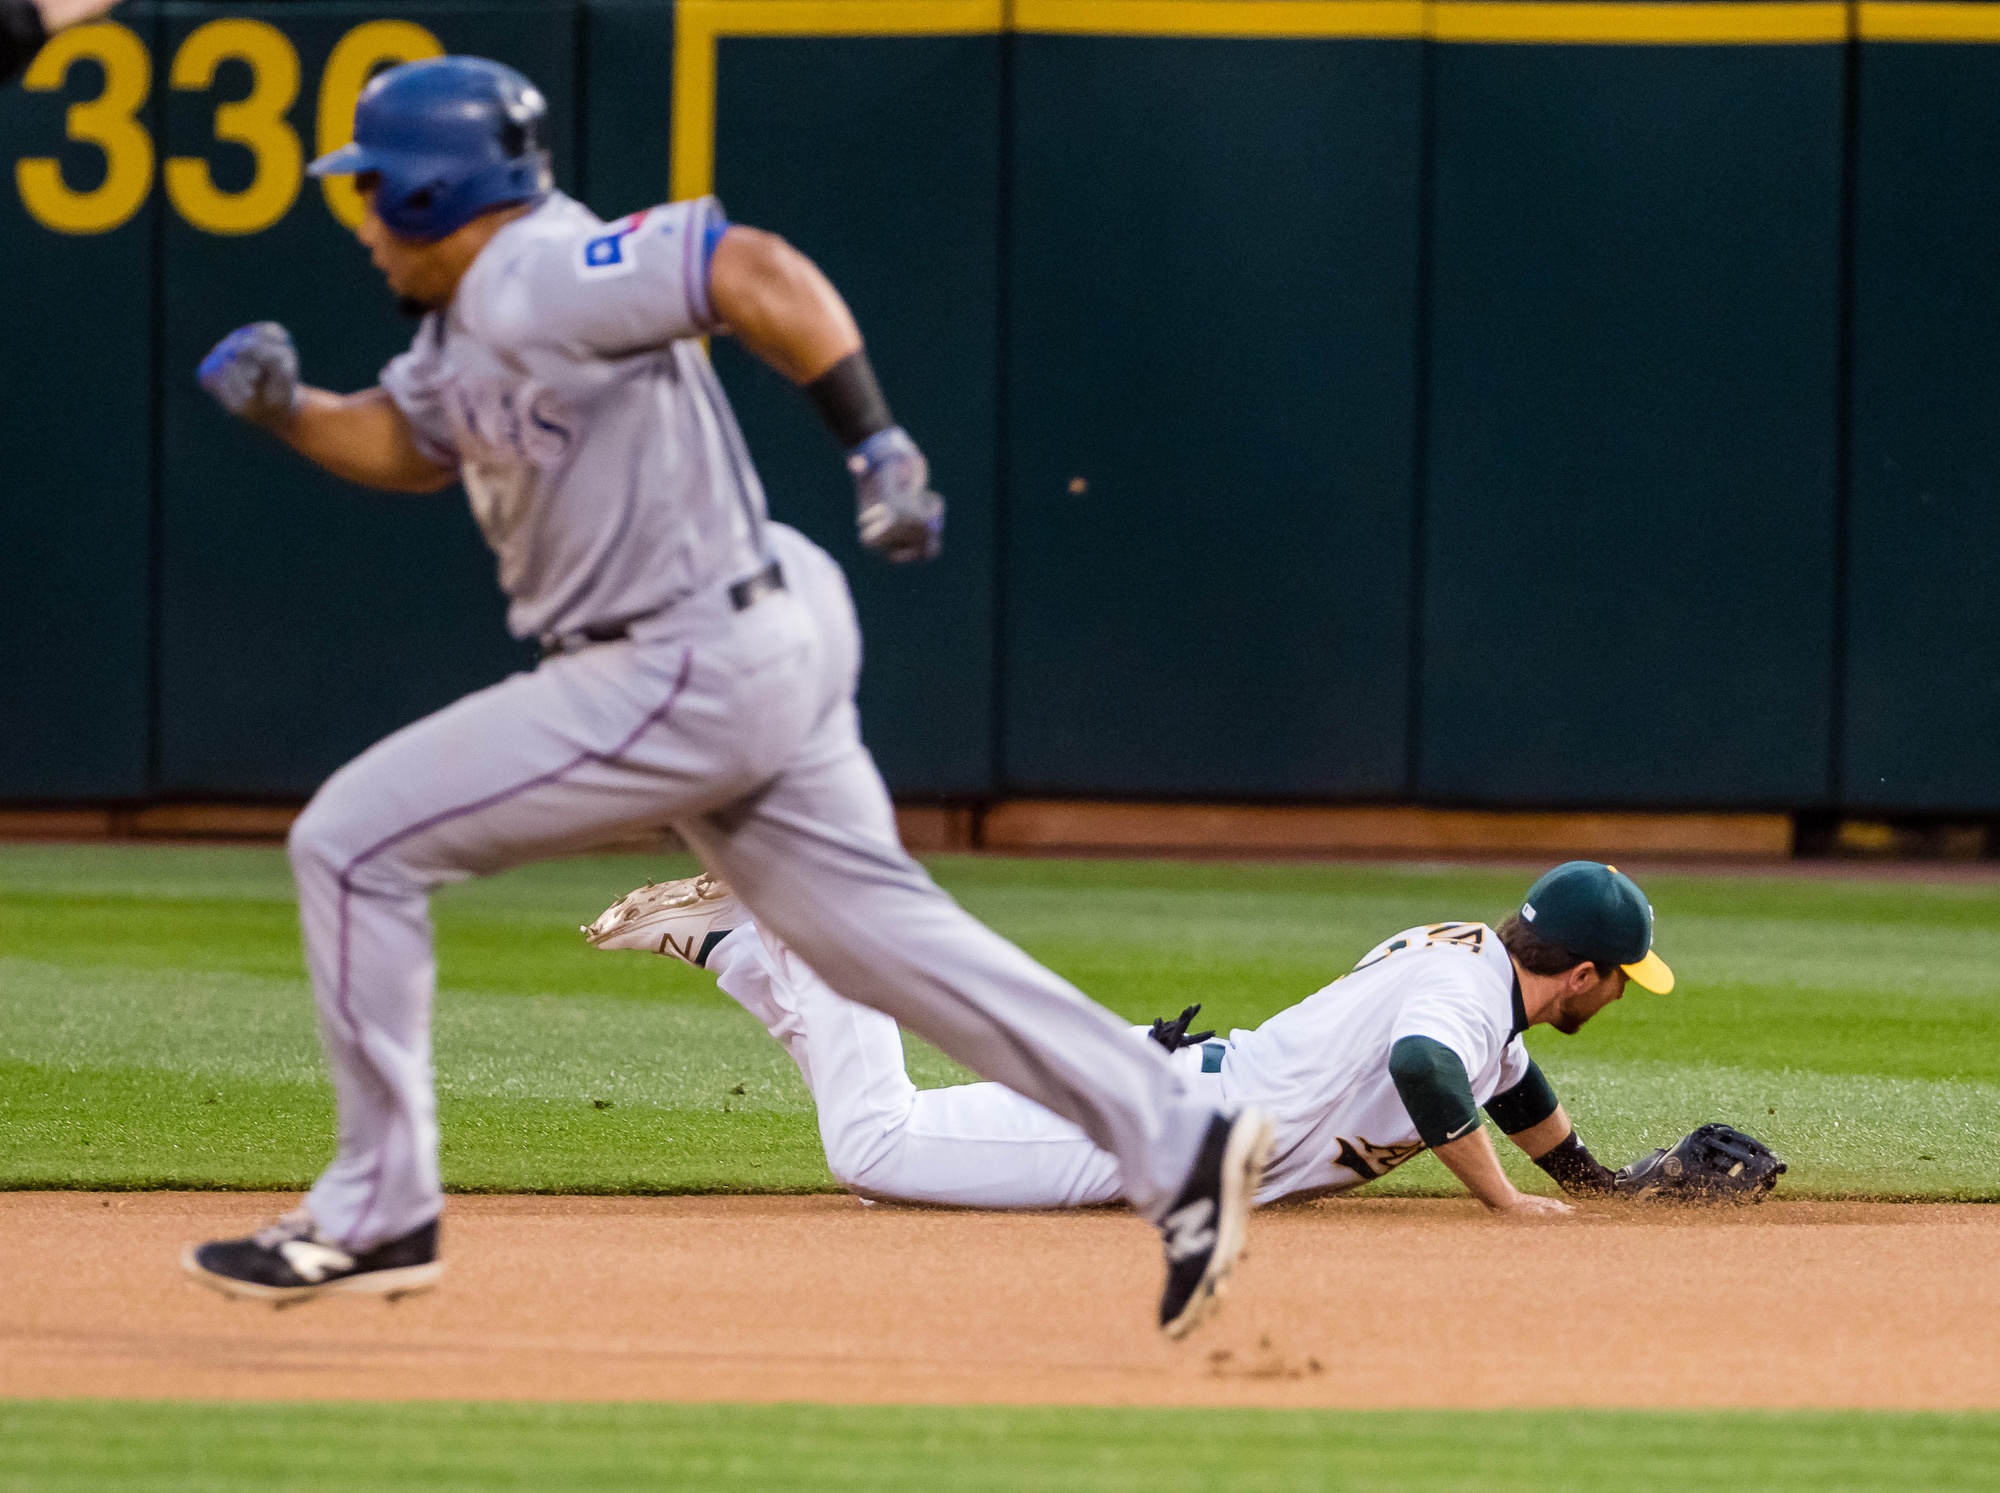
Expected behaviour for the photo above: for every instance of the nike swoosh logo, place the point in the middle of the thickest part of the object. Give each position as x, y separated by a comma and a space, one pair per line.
312, 1262
1452, 1135
1188, 1231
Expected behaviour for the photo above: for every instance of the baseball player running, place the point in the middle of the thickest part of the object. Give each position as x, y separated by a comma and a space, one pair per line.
1393, 1058
698, 670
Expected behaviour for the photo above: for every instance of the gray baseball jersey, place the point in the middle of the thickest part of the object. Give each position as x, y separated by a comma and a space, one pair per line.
600, 455
611, 480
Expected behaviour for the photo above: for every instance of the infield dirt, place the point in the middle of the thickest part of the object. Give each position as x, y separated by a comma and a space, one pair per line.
1343, 1303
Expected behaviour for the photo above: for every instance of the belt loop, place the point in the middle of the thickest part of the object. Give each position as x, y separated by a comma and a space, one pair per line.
752, 589
554, 643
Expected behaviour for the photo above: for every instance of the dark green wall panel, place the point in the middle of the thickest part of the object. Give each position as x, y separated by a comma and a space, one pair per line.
75, 423
302, 618
628, 67
1922, 727
1152, 305
881, 159
1210, 402
1629, 527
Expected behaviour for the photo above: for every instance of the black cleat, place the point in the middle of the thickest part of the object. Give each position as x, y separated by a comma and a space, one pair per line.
287, 1262
1204, 1229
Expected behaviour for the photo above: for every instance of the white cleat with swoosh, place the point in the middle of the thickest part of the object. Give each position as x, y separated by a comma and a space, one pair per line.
683, 919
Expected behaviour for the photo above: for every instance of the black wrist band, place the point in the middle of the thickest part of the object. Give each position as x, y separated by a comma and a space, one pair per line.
849, 401
1574, 1168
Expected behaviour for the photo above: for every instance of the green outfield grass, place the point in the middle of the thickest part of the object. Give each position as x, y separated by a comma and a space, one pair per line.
156, 1028
88, 1446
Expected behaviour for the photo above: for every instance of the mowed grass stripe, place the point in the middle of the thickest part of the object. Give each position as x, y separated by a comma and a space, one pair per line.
156, 1027
138, 1130
164, 1447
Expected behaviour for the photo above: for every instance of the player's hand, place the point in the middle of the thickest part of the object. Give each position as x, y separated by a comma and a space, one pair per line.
894, 508
254, 373
1531, 1206
1174, 1034
58, 15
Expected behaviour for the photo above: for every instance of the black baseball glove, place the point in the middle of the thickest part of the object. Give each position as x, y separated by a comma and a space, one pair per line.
1717, 1163
1174, 1035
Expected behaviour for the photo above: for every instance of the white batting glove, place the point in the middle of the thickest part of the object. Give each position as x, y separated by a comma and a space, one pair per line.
894, 508
254, 373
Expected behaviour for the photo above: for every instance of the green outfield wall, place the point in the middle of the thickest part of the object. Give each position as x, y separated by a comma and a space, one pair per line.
1481, 401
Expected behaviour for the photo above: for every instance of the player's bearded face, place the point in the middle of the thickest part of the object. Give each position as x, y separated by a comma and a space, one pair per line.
417, 273
1578, 1006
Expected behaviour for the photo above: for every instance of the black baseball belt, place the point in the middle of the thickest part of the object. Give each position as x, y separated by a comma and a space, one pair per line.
743, 595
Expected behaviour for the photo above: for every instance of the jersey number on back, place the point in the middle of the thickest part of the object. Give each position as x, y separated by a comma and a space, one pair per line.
1469, 936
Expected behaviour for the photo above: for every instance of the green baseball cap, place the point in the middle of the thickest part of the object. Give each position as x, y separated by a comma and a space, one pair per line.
1598, 913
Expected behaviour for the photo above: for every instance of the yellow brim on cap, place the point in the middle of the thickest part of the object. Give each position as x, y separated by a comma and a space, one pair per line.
1652, 973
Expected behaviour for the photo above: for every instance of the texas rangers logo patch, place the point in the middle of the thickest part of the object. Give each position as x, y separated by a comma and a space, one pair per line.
611, 252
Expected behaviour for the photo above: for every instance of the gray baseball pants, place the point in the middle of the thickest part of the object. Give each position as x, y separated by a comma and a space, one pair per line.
738, 728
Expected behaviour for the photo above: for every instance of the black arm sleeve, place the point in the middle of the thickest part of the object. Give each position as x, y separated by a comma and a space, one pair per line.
1526, 1105
1569, 1161
849, 401
1434, 1087
21, 36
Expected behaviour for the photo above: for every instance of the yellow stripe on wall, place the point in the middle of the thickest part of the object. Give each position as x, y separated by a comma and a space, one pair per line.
699, 23
1301, 19
1892, 20
1643, 24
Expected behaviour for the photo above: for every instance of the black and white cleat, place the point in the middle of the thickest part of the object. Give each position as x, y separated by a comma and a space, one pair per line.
286, 1263
1204, 1230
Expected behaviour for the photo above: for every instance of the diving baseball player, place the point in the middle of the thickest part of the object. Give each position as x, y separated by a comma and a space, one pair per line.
698, 670
1395, 1057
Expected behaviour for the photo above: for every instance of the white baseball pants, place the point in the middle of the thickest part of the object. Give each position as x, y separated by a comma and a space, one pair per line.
738, 728
975, 1145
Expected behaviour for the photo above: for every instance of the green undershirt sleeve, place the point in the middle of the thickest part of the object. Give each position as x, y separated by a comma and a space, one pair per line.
1434, 1087
1526, 1105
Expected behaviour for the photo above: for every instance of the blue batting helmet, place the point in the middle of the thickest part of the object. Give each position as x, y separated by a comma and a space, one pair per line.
446, 139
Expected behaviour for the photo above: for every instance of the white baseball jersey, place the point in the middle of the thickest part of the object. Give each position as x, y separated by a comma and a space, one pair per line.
1321, 1068
600, 455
